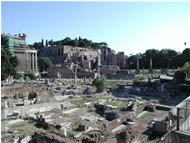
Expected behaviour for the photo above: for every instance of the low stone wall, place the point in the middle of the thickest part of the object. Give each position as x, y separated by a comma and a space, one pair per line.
161, 127
45, 137
86, 74
64, 72
177, 137
116, 122
120, 76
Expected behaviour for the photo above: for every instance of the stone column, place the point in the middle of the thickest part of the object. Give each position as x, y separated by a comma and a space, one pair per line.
34, 60
36, 68
33, 63
137, 69
75, 72
3, 119
26, 63
99, 61
150, 69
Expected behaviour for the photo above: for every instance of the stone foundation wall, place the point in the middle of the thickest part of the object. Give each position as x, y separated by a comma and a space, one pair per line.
120, 76
116, 122
64, 72
45, 137
177, 137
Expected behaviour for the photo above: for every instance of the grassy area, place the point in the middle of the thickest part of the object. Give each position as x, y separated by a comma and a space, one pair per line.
118, 82
107, 136
22, 127
99, 122
56, 111
80, 103
146, 140
59, 112
119, 104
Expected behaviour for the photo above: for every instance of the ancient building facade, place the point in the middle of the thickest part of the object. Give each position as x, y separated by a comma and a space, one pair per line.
89, 60
110, 57
69, 55
85, 57
17, 46
121, 60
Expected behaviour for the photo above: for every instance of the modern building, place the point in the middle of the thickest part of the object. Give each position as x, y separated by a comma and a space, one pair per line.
18, 47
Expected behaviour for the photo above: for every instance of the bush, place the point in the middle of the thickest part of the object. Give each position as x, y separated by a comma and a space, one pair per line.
100, 83
186, 68
138, 79
30, 75
32, 95
17, 76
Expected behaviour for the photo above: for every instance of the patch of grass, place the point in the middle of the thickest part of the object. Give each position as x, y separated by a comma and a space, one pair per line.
119, 104
99, 122
56, 111
80, 103
146, 140
107, 136
70, 135
113, 103
118, 82
23, 127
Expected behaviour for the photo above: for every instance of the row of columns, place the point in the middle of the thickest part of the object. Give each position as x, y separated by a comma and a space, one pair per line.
138, 68
32, 61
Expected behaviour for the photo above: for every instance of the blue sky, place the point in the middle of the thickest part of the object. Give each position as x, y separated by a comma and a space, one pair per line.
131, 27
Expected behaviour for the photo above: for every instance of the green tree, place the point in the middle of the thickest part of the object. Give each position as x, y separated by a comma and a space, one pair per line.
100, 83
51, 42
74, 42
32, 95
37, 45
46, 43
131, 62
186, 68
44, 64
8, 63
42, 42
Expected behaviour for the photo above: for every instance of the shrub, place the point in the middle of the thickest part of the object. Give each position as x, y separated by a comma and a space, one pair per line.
100, 83
30, 75
31, 95
186, 68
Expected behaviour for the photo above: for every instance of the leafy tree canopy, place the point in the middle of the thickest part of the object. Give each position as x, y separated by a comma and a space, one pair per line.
165, 58
8, 64
44, 64
78, 42
186, 68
